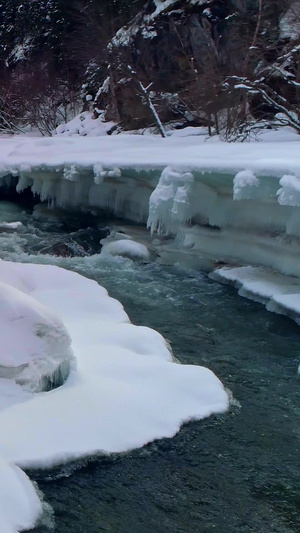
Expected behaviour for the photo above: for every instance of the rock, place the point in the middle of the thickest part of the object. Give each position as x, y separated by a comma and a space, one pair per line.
64, 250
10, 227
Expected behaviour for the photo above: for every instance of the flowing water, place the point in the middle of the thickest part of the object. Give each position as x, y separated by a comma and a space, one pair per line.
234, 473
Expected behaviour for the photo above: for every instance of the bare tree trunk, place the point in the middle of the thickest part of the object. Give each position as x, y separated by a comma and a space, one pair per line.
255, 36
149, 102
113, 94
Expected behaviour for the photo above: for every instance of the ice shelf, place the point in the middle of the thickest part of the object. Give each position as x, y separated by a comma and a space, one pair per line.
280, 294
236, 202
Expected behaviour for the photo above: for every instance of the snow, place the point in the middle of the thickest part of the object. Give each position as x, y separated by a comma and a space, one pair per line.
169, 203
193, 152
215, 201
125, 34
225, 201
127, 248
244, 185
280, 294
149, 32
20, 51
10, 227
104, 88
85, 124
19, 503
161, 5
34, 342
289, 194
124, 391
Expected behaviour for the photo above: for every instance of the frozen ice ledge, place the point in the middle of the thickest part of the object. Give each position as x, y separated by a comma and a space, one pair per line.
208, 201
280, 294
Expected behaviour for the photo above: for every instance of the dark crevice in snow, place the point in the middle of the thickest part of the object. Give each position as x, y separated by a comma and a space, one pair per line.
57, 378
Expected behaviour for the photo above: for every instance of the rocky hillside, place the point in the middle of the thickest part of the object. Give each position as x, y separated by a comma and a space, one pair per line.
219, 63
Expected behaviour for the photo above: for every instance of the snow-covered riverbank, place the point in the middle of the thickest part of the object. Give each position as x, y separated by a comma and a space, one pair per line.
230, 202
280, 294
123, 392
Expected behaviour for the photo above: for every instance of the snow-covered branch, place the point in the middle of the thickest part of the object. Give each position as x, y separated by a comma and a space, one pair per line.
277, 102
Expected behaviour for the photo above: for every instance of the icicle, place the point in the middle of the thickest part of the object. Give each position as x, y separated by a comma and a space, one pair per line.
71, 173
169, 204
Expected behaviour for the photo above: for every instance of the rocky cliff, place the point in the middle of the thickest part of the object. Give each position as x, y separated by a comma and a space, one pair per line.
182, 51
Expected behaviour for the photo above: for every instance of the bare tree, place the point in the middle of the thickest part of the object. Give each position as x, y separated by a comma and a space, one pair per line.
277, 87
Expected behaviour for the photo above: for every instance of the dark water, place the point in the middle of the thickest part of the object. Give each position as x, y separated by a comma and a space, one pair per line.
233, 473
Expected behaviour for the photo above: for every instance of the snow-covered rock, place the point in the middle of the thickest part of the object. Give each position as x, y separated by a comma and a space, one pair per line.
10, 227
85, 124
127, 248
35, 346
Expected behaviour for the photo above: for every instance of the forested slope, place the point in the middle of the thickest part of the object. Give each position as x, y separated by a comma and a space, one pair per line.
219, 63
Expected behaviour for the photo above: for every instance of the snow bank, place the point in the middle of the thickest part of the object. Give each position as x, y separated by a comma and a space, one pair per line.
280, 294
125, 389
227, 201
23, 155
124, 392
20, 506
166, 181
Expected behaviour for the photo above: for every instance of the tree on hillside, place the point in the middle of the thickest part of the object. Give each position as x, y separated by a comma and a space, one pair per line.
223, 64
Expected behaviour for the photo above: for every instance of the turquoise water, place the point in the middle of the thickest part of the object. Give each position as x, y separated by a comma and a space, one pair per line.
233, 473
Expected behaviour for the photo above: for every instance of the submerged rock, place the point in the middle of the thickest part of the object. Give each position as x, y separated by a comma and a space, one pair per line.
64, 250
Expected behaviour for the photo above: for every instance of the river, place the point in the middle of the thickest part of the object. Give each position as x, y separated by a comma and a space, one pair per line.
232, 473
